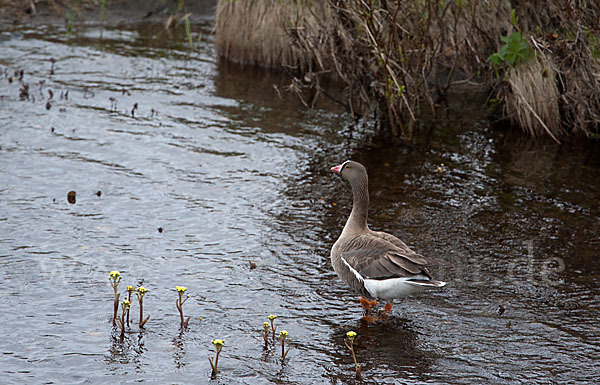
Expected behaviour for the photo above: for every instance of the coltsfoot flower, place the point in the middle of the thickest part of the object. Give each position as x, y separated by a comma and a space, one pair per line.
350, 345
181, 289
283, 334
142, 290
266, 326
272, 317
130, 288
114, 274
218, 344
125, 304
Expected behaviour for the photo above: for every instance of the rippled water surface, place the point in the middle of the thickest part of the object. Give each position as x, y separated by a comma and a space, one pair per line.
234, 174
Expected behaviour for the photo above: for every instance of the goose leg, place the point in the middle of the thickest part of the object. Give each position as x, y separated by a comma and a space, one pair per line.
368, 306
386, 309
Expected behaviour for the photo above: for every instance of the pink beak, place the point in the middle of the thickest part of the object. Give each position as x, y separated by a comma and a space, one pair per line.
336, 169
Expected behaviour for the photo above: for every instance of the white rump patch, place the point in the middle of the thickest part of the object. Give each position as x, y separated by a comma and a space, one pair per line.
388, 289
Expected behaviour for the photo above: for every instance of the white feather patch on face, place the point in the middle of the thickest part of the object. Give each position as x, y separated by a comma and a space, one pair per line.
342, 165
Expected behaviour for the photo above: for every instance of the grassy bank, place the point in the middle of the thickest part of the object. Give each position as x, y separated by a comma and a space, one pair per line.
538, 62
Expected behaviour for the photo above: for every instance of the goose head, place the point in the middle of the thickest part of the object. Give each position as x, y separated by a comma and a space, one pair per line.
352, 171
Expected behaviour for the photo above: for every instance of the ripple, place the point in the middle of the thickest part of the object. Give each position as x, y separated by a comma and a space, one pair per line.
233, 174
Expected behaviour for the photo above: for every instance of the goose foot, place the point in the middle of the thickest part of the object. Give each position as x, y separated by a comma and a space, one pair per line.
383, 314
368, 306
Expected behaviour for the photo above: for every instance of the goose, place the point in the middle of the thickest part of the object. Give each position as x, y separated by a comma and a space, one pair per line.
375, 264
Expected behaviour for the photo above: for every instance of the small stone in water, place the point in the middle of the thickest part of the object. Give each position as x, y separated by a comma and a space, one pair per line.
99, 193
71, 197
160, 229
500, 309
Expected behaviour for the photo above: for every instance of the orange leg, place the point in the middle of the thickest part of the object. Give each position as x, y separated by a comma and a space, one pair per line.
386, 309
368, 306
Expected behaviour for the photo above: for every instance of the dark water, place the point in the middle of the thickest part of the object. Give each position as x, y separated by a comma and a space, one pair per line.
235, 174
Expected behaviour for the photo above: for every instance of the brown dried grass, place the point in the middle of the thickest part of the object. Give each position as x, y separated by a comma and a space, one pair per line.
533, 100
258, 32
396, 57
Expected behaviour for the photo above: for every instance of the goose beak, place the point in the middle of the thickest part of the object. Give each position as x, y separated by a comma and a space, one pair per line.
336, 169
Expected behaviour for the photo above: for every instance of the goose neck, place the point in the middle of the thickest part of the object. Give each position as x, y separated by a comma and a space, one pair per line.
357, 221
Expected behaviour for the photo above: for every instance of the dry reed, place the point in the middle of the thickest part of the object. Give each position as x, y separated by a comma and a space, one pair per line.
257, 32
395, 58
533, 99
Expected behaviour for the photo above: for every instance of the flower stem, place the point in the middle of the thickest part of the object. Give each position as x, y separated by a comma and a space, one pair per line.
181, 314
141, 313
116, 307
217, 362
351, 347
273, 327
129, 299
122, 327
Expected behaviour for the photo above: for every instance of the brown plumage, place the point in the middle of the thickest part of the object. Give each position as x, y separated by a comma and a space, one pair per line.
373, 263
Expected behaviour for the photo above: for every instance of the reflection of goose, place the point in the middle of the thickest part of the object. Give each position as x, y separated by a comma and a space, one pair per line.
384, 350
373, 263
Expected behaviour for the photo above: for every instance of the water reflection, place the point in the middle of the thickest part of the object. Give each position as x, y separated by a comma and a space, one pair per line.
119, 351
139, 349
179, 350
385, 344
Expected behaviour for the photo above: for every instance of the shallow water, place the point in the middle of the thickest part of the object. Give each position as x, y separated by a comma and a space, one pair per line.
234, 174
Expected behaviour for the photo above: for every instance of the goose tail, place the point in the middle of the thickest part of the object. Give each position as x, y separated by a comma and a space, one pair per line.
425, 283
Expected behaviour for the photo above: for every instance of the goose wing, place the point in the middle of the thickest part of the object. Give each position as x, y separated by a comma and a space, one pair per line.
377, 258
392, 239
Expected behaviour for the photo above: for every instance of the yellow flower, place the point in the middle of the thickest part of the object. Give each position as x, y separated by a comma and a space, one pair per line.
218, 343
266, 326
130, 288
181, 289
114, 274
125, 304
272, 317
142, 290
283, 334
351, 334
